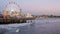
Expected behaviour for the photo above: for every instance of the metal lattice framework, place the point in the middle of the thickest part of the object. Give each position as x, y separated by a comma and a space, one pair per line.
11, 3
15, 12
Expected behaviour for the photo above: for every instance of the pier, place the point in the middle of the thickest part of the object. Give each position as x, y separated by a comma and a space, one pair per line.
11, 20
14, 14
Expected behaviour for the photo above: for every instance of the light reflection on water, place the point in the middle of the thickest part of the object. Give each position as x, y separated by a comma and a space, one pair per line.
44, 26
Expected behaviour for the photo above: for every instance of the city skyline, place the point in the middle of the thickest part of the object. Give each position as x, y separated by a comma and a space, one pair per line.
36, 7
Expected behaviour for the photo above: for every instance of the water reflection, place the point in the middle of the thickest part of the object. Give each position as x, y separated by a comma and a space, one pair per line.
46, 26
26, 28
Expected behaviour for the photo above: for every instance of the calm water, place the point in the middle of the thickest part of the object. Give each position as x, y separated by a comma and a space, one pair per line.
43, 26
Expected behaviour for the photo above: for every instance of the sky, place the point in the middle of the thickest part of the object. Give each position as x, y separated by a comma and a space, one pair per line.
36, 7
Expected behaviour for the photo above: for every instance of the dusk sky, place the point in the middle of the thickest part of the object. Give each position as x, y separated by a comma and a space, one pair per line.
36, 7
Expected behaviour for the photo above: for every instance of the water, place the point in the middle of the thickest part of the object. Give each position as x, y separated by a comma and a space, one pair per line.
43, 26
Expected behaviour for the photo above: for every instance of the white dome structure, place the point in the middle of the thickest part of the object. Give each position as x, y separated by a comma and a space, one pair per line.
28, 15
